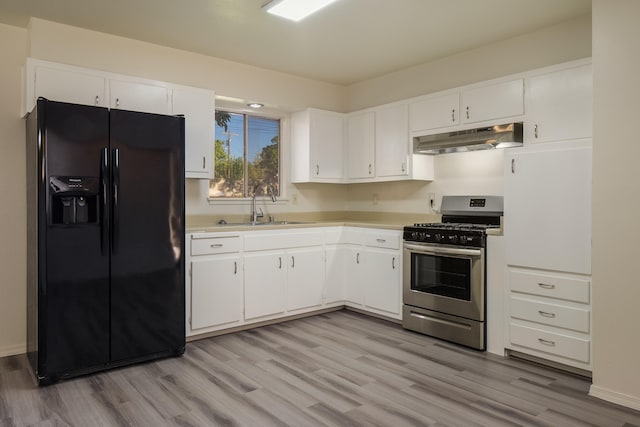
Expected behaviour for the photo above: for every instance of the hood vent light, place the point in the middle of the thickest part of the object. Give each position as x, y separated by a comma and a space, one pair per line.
485, 138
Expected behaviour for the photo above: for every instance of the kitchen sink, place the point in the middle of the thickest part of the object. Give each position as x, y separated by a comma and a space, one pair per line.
255, 224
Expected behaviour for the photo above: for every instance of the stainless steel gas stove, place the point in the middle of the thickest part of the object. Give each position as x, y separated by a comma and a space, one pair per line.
444, 271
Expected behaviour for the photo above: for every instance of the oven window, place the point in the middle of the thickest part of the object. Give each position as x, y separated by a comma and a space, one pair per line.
441, 275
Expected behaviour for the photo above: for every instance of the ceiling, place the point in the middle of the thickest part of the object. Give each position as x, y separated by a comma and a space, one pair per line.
347, 42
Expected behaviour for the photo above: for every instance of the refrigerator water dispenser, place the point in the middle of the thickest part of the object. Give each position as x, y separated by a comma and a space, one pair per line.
74, 200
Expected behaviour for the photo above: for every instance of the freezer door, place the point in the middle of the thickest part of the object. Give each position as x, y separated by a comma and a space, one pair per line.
73, 279
147, 245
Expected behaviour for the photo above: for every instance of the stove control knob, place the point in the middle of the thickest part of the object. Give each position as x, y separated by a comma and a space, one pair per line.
438, 237
414, 235
453, 239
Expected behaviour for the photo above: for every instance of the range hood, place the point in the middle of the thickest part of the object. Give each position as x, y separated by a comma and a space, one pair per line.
484, 138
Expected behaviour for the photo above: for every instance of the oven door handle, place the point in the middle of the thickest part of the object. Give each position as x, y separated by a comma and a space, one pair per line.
441, 250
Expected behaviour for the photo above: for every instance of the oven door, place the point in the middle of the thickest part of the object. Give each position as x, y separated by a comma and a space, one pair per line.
444, 279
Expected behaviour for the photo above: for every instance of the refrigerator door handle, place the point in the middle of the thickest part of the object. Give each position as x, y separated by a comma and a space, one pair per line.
104, 176
116, 195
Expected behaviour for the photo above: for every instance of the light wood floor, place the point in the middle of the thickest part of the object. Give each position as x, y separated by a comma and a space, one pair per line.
337, 369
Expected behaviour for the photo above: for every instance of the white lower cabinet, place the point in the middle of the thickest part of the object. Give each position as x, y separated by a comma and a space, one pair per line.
382, 280
236, 279
264, 284
214, 282
305, 278
216, 291
550, 316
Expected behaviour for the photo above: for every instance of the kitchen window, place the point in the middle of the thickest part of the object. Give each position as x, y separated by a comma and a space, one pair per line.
246, 156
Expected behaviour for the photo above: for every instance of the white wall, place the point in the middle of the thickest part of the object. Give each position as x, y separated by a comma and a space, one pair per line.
13, 203
616, 181
547, 46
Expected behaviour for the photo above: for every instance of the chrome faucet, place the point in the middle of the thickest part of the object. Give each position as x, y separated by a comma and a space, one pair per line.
257, 213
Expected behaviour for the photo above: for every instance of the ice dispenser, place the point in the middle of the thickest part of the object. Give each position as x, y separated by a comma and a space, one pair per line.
74, 200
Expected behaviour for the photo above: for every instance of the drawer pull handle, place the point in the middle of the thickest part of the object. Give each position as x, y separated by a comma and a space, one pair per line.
293, 262
546, 286
393, 263
358, 258
235, 267
380, 240
547, 342
546, 314
280, 262
216, 245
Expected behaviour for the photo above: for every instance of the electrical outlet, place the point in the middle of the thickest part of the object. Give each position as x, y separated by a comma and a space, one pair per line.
375, 198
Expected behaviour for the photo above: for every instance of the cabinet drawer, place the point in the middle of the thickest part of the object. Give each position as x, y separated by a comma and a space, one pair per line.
549, 342
216, 245
550, 314
383, 240
552, 286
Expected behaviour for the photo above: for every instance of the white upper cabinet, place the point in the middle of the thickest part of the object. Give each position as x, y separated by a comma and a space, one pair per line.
436, 112
63, 85
198, 108
392, 141
361, 145
139, 96
560, 105
318, 146
491, 102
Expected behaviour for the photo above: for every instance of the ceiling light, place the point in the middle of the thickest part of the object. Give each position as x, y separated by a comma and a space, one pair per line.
295, 10
255, 105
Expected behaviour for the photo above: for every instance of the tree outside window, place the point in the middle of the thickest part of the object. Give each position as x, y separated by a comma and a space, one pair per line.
247, 156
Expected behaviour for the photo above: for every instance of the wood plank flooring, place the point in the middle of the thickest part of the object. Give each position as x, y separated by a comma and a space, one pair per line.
335, 369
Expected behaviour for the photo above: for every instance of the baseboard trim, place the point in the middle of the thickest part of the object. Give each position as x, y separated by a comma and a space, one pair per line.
12, 350
618, 398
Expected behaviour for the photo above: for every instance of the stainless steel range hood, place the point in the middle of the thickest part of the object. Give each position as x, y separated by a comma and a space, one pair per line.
498, 136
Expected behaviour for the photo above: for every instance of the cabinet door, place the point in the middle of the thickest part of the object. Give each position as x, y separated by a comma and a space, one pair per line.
198, 108
354, 289
392, 140
264, 284
434, 113
336, 268
560, 105
382, 280
493, 102
326, 145
136, 96
305, 278
360, 145
547, 208
216, 291
69, 86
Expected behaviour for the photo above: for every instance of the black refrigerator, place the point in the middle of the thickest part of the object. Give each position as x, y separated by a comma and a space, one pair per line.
105, 238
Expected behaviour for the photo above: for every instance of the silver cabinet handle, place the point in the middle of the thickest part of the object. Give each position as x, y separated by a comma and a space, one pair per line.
513, 165
546, 314
369, 168
280, 262
204, 162
453, 115
235, 267
117, 102
216, 245
97, 100
467, 111
380, 240
293, 261
402, 167
393, 263
358, 258
317, 169
546, 286
547, 342
535, 131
